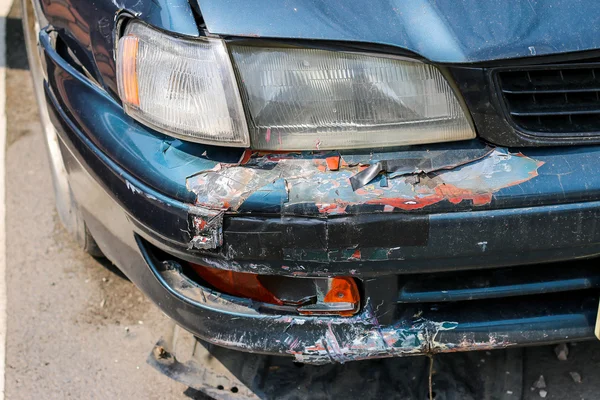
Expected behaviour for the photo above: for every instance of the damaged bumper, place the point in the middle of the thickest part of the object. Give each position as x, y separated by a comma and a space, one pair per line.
413, 329
302, 215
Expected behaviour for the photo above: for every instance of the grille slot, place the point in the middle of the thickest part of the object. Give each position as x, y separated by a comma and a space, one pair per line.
554, 100
499, 282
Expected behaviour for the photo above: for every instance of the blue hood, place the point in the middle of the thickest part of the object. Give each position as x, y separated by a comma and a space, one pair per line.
450, 31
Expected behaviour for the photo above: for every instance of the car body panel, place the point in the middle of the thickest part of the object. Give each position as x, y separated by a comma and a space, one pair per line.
546, 179
89, 28
463, 31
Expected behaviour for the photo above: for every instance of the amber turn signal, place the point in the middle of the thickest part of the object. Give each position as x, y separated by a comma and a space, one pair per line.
307, 296
127, 71
342, 290
237, 284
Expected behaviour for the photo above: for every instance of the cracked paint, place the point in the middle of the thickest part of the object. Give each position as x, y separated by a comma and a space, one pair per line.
310, 182
418, 338
360, 342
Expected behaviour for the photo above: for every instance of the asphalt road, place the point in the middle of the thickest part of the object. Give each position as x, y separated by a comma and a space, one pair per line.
77, 329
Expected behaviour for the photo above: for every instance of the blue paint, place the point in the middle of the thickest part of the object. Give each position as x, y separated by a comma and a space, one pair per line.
569, 174
451, 31
268, 199
89, 27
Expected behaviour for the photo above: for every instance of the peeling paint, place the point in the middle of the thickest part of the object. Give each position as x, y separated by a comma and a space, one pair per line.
207, 228
332, 339
132, 187
475, 182
423, 162
418, 337
402, 339
318, 184
310, 181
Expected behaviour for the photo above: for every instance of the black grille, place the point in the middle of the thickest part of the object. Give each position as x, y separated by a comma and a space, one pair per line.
499, 282
554, 100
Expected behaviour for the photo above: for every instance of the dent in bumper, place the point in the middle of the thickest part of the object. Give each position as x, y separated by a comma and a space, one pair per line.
420, 329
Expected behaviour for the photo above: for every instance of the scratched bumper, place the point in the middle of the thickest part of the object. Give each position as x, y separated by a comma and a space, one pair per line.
413, 329
299, 216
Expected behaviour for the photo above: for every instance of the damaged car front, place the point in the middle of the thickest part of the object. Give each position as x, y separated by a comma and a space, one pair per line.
329, 180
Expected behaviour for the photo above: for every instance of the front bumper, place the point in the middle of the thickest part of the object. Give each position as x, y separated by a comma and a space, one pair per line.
133, 186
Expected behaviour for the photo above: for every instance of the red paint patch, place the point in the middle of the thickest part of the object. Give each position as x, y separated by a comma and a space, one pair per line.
321, 165
408, 204
446, 191
331, 208
356, 255
456, 195
200, 224
246, 157
333, 163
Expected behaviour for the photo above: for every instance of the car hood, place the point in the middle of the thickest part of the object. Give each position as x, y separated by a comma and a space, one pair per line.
450, 31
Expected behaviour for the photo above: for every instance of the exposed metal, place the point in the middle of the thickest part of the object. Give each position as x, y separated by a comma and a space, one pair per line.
207, 228
303, 184
419, 162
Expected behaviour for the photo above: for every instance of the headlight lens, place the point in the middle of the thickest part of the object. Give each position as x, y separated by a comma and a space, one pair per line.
181, 87
302, 99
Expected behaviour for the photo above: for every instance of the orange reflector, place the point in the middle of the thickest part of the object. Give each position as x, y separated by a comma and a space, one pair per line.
307, 296
238, 284
128, 80
343, 290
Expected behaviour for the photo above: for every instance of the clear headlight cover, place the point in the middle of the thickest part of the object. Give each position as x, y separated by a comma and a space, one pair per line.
304, 99
185, 88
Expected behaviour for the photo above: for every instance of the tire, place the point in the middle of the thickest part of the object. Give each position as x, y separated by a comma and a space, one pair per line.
66, 206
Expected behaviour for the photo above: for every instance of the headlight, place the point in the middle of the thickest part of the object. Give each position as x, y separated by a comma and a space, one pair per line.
296, 99
185, 88
314, 99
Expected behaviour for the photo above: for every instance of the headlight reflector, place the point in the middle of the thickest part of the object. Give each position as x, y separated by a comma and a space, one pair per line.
182, 87
305, 99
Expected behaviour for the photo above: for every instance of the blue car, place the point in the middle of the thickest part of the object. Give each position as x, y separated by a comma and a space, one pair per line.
333, 180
